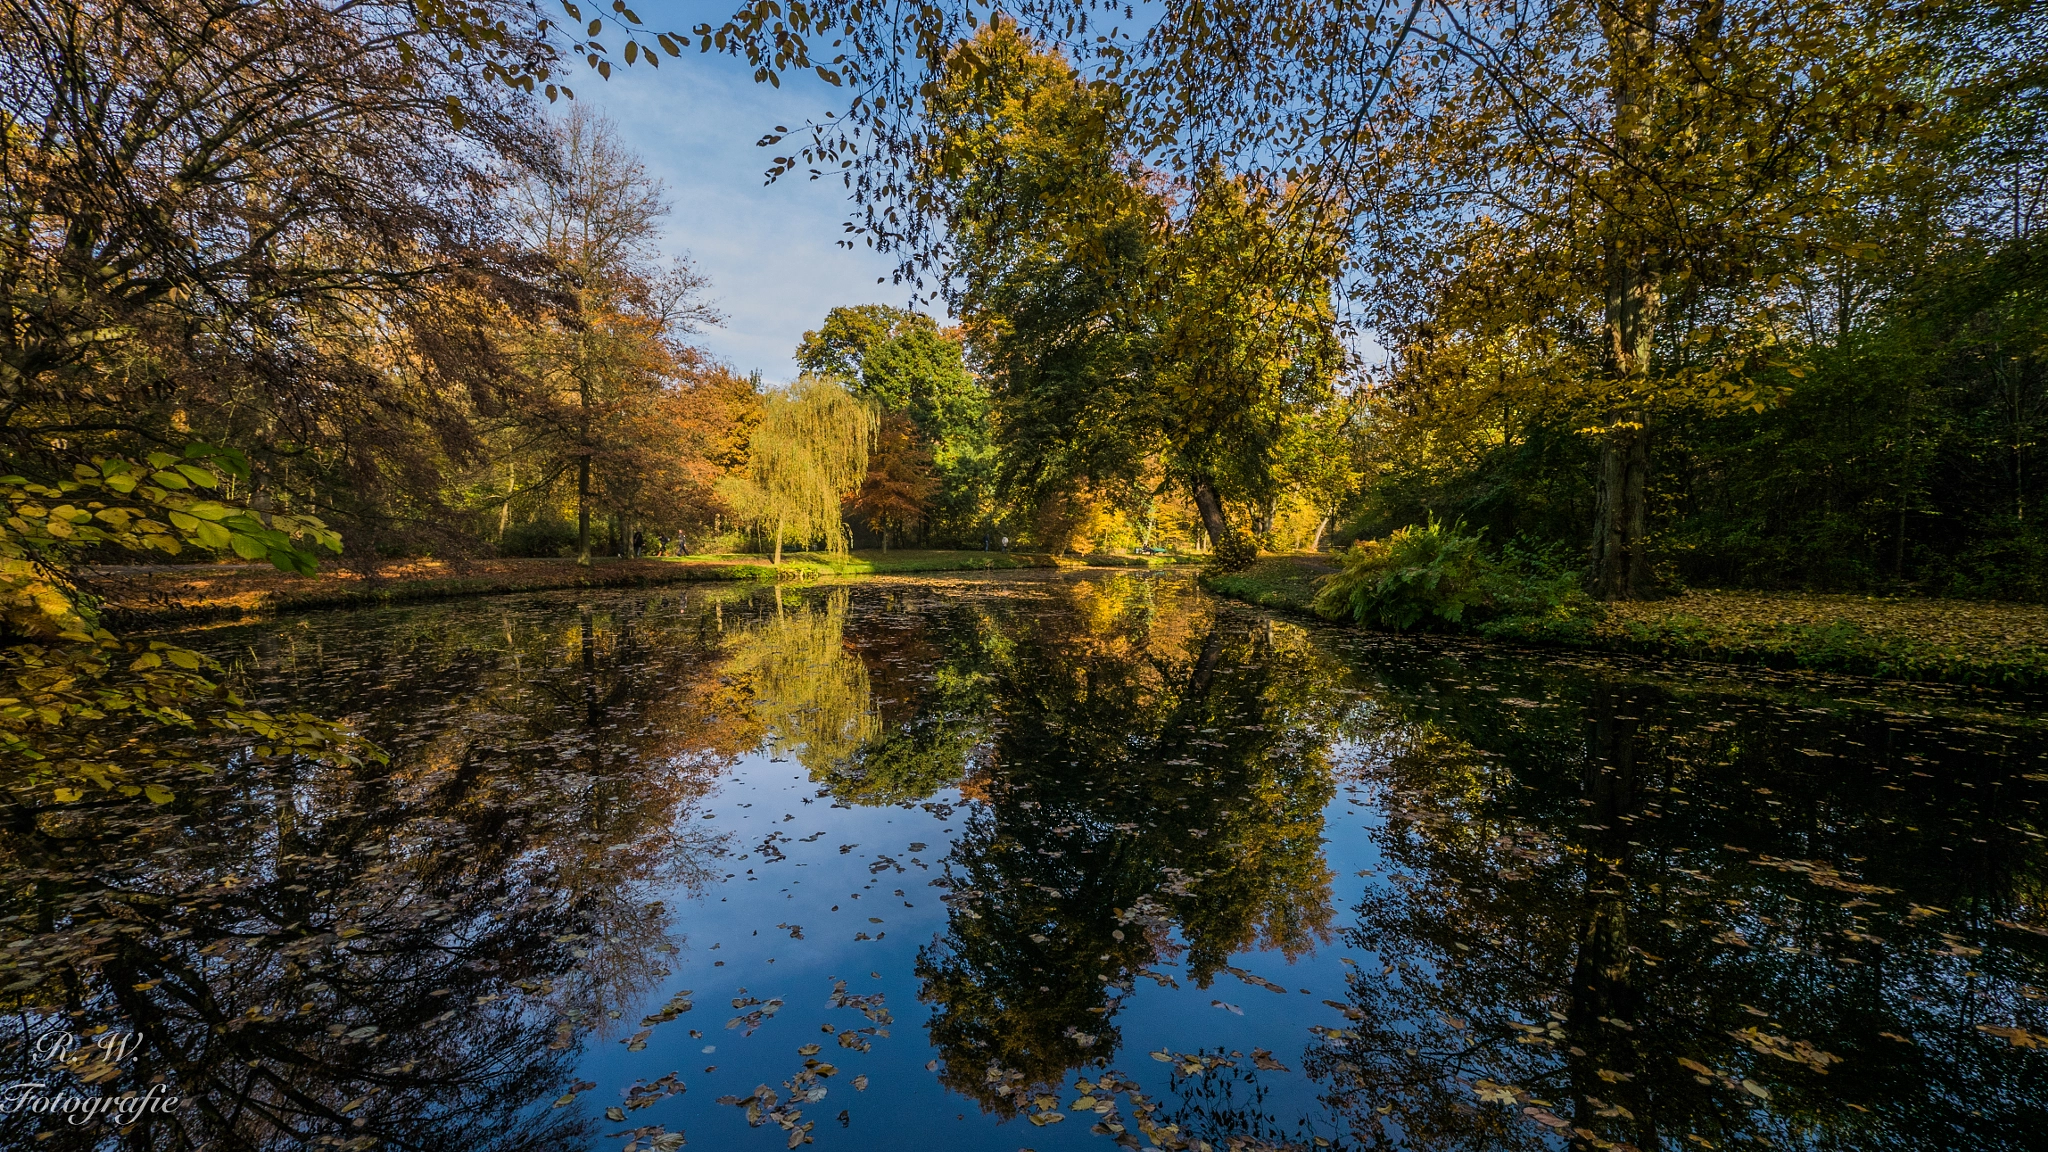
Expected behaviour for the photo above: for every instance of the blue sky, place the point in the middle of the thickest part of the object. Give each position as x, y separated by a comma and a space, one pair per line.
770, 251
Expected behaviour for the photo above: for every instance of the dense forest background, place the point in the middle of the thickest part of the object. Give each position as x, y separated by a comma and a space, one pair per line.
1735, 295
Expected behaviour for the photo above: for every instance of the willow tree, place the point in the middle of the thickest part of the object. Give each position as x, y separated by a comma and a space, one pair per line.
808, 452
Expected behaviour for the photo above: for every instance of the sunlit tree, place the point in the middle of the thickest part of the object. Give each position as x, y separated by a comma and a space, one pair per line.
809, 452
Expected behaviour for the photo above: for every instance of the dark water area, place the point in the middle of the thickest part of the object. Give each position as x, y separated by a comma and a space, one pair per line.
1045, 862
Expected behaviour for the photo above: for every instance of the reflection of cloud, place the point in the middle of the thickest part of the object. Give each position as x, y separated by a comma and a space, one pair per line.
804, 686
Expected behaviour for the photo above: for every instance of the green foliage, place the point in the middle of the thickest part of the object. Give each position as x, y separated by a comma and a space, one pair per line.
81, 704
809, 451
1417, 574
539, 538
1908, 456
1442, 577
1234, 553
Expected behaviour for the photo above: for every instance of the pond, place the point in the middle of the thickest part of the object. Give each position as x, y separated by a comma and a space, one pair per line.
1057, 861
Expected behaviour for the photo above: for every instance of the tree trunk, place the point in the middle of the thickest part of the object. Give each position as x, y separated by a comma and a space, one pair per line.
1620, 567
778, 541
505, 509
583, 511
1211, 508
1315, 543
1632, 291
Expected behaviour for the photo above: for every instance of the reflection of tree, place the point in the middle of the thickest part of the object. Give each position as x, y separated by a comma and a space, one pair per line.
807, 690
402, 955
1152, 768
824, 695
1568, 949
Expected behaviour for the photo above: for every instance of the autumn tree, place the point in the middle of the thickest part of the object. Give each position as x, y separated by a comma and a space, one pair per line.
905, 363
808, 453
896, 496
1122, 320
199, 248
605, 363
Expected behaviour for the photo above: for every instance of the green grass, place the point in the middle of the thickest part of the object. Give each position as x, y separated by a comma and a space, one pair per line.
1118, 560
1950, 641
1283, 583
170, 596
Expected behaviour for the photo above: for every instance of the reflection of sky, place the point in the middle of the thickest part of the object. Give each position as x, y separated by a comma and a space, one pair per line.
905, 1107
769, 251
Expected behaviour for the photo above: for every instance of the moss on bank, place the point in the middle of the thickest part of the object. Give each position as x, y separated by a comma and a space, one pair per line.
1952, 641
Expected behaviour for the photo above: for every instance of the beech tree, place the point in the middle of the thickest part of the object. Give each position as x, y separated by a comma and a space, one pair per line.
896, 496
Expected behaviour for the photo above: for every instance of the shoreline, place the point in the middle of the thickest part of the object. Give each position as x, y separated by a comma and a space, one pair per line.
153, 596
1990, 644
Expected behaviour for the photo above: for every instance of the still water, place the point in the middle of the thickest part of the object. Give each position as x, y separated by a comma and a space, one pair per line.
1052, 862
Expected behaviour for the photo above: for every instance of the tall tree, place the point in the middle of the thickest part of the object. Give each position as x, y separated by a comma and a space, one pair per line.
1121, 322
809, 452
897, 494
603, 361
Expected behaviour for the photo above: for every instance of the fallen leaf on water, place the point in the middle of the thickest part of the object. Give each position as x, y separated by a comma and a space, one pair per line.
1262, 1058
1492, 1093
2017, 1037
569, 1097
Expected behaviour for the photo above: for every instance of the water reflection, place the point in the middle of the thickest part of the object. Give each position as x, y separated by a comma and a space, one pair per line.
1590, 904
1153, 794
1626, 916
316, 957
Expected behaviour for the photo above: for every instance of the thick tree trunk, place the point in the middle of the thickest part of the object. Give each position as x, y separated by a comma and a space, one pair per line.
1620, 566
1211, 507
1633, 298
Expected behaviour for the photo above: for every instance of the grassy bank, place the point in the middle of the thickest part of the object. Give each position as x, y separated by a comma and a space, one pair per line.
174, 594
1953, 641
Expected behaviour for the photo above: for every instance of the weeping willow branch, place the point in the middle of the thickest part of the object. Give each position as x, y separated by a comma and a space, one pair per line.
809, 451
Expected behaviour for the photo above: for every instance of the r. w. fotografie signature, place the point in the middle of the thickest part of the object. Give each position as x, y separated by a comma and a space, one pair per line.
92, 1060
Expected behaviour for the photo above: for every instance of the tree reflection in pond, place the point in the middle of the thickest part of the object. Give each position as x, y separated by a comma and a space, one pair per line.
807, 691
1153, 793
404, 954
1628, 916
1592, 904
